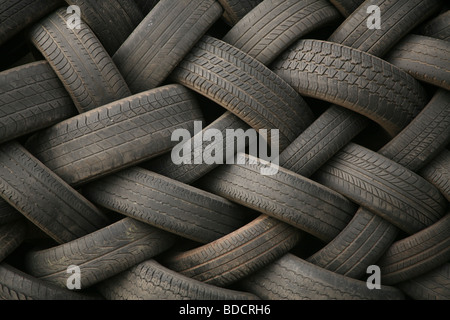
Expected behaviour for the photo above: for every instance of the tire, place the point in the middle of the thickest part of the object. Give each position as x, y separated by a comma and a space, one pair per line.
291, 278
150, 280
271, 27
149, 54
167, 204
32, 98
17, 285
424, 58
395, 193
330, 132
15, 15
43, 198
398, 17
112, 21
238, 254
353, 79
417, 254
437, 172
80, 61
346, 7
434, 285
116, 135
235, 10
243, 85
425, 137
11, 236
189, 173
368, 236
438, 27
303, 203
146, 5
99, 255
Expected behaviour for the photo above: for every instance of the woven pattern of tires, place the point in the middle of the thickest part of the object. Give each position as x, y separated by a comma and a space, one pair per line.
93, 206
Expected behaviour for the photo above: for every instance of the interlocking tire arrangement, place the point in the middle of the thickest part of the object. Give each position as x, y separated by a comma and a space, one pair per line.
88, 186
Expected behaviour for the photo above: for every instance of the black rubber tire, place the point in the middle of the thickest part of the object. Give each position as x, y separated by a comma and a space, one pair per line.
368, 236
17, 285
100, 254
11, 236
32, 98
44, 198
330, 132
167, 204
346, 7
291, 278
80, 61
397, 194
15, 15
285, 195
189, 173
238, 254
424, 58
274, 25
438, 27
417, 254
150, 280
398, 17
235, 10
243, 85
162, 40
353, 79
112, 21
116, 135
437, 172
425, 137
434, 285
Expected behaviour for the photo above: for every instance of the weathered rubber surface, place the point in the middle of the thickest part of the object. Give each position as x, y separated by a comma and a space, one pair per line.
395, 193
235, 10
168, 204
146, 5
434, 285
150, 280
17, 285
291, 278
437, 172
44, 198
425, 137
162, 40
424, 58
398, 17
417, 254
15, 15
111, 21
285, 195
438, 28
116, 135
201, 164
346, 7
32, 98
118, 246
368, 236
11, 236
80, 61
352, 79
274, 25
238, 254
243, 85
331, 131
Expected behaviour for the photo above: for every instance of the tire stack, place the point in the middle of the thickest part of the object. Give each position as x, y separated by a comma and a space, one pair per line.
87, 182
